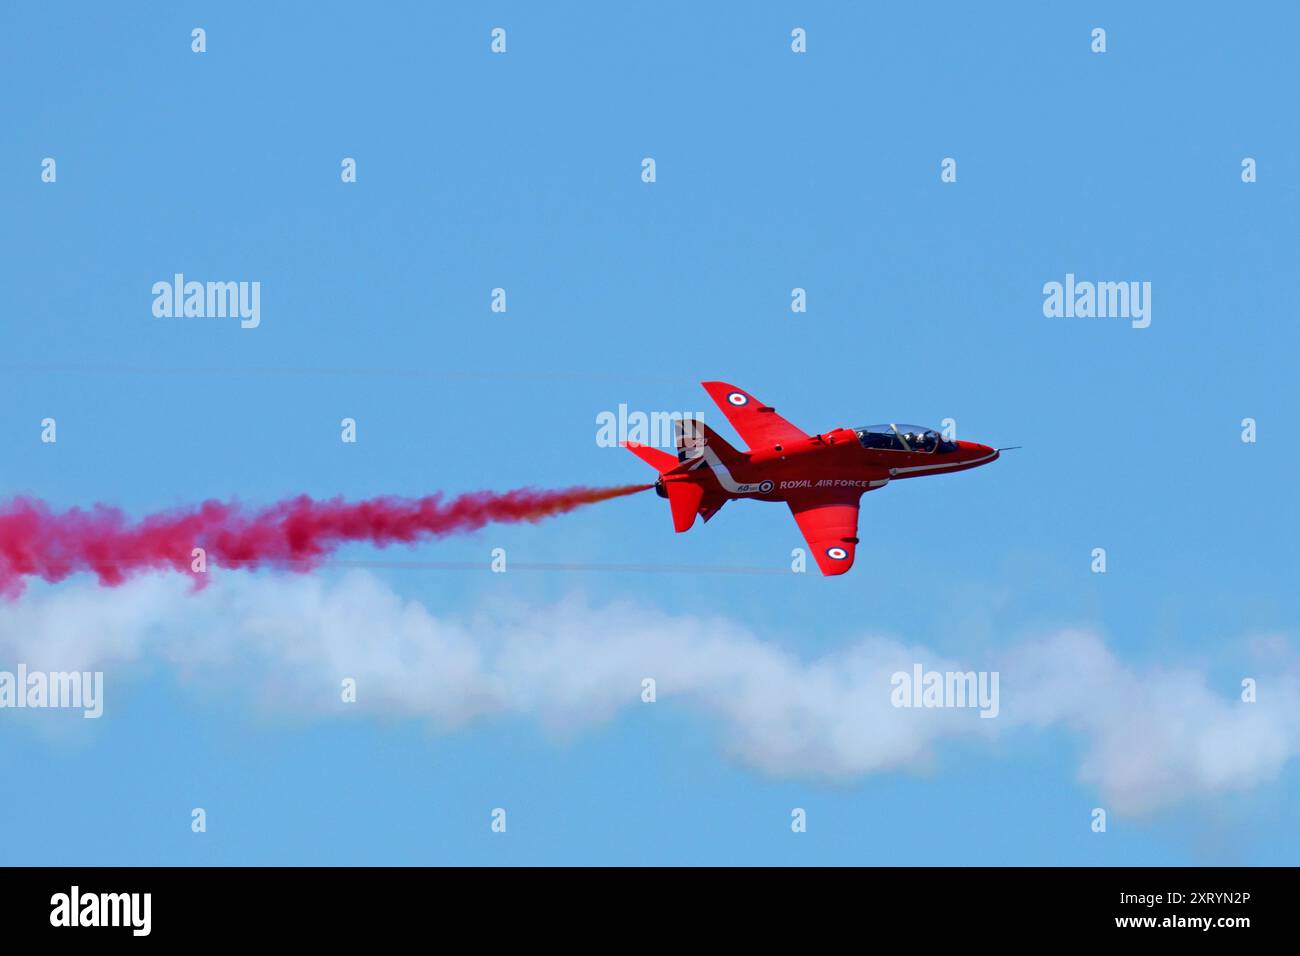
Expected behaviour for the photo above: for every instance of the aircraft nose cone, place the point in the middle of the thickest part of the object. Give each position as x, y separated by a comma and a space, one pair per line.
974, 451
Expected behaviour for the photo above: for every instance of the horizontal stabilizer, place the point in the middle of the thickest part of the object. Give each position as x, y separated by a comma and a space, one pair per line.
660, 461
684, 498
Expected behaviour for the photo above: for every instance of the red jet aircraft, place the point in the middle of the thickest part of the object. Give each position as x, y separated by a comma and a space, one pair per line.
821, 477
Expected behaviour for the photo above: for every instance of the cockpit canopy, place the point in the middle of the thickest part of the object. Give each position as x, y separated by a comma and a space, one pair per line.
899, 437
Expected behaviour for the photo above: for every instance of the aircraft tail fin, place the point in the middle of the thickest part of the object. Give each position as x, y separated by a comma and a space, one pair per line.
692, 438
687, 496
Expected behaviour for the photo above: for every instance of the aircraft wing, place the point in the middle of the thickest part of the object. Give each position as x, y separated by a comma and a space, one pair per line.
758, 424
829, 522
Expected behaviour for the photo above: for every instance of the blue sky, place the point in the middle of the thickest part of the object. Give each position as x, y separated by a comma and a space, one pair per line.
774, 171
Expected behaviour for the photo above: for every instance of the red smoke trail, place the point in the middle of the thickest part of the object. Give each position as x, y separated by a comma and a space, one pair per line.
294, 534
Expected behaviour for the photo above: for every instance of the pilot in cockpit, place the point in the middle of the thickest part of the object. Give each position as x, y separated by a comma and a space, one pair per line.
926, 441
913, 438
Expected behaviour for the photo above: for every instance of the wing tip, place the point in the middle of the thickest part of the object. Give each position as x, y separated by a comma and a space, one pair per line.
833, 568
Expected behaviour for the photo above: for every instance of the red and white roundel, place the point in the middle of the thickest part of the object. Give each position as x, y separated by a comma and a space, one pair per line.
737, 399
836, 554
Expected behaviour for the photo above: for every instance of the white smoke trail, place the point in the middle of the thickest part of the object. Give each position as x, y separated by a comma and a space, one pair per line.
1150, 739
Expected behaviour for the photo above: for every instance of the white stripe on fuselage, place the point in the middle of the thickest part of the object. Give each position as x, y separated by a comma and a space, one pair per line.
950, 464
723, 474
725, 479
